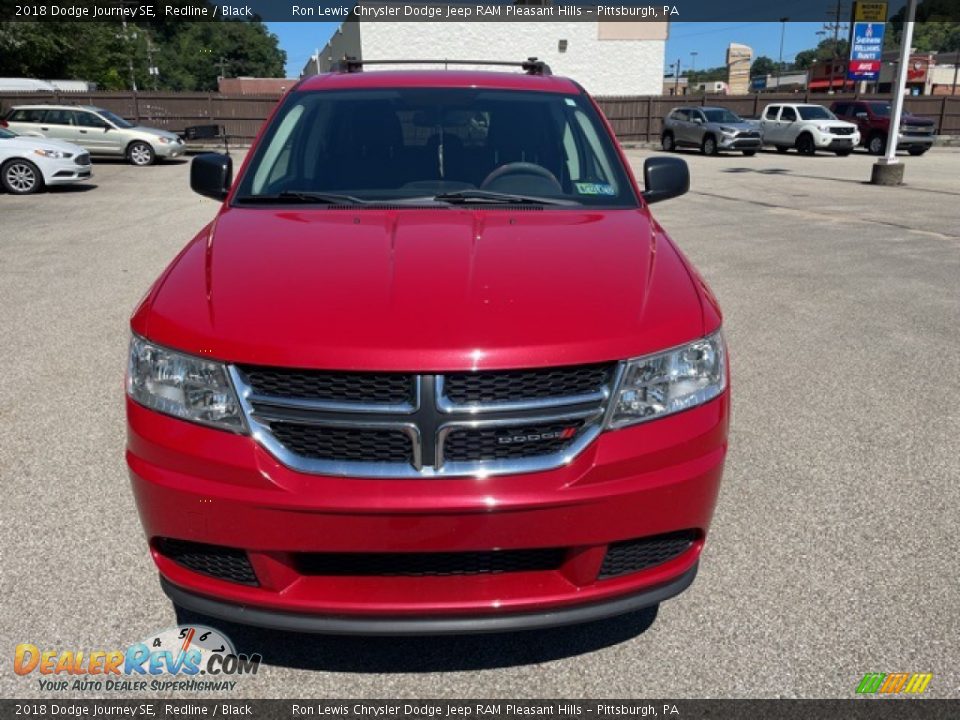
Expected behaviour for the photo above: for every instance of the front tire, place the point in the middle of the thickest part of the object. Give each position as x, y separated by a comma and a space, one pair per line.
877, 144
749, 153
667, 143
21, 177
917, 151
141, 154
709, 145
805, 145
782, 149
843, 153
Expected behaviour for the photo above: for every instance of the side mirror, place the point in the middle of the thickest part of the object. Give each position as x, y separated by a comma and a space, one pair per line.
862, 116
698, 120
665, 178
211, 175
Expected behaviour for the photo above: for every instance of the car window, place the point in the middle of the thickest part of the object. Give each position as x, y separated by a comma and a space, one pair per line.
788, 114
842, 109
397, 143
696, 115
681, 115
772, 112
29, 115
722, 115
115, 119
59, 117
88, 119
880, 108
816, 112
7, 134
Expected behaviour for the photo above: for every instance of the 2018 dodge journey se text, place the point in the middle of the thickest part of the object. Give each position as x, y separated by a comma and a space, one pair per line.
433, 368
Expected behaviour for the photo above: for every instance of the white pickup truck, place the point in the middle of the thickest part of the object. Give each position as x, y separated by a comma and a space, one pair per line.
807, 128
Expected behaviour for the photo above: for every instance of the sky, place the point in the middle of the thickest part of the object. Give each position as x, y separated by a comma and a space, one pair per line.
708, 39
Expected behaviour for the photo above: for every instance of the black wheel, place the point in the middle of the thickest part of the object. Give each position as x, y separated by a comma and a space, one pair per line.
667, 143
877, 144
749, 153
844, 152
21, 177
782, 149
917, 151
709, 145
805, 145
141, 154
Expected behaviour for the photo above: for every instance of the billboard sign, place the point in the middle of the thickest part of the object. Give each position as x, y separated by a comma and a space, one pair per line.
866, 51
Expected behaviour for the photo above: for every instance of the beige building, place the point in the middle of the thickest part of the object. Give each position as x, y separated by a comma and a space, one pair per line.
607, 58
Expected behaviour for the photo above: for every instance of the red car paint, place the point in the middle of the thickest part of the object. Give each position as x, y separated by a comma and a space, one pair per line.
427, 291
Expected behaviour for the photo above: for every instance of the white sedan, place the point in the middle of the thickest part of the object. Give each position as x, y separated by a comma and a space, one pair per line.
27, 164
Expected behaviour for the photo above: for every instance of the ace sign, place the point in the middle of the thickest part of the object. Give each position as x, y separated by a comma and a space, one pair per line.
866, 51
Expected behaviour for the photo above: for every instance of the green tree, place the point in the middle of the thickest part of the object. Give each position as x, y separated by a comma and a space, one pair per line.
763, 66
188, 54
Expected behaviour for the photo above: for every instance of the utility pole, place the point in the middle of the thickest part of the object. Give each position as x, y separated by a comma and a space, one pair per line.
222, 64
126, 41
152, 69
834, 26
693, 64
676, 79
783, 32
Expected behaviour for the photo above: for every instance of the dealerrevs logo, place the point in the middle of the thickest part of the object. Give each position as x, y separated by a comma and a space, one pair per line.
186, 657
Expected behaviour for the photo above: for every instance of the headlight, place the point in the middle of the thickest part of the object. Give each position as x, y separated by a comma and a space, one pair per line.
184, 386
164, 140
824, 128
662, 384
728, 131
51, 153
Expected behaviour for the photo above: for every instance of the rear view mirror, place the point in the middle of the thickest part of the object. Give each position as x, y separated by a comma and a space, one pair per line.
211, 175
665, 178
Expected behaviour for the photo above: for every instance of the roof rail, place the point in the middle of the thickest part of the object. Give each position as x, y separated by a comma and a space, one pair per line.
531, 66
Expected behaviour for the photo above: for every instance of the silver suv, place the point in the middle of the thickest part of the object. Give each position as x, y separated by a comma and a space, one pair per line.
711, 129
99, 131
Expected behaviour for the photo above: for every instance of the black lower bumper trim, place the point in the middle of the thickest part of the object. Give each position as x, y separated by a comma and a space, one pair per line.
420, 625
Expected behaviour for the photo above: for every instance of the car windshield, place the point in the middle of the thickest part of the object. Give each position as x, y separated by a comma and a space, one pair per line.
115, 119
722, 116
881, 109
451, 145
7, 134
815, 112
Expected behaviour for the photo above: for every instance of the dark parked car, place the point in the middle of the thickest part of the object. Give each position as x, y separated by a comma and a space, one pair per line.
917, 134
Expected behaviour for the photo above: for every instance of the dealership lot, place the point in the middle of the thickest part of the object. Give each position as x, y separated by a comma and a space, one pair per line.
833, 550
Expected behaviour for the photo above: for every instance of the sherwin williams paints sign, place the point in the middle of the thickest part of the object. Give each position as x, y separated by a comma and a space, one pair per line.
866, 51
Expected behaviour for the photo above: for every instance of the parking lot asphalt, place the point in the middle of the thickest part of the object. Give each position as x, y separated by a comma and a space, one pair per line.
833, 550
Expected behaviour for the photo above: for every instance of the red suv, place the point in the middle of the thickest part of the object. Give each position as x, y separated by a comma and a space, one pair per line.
432, 368
917, 134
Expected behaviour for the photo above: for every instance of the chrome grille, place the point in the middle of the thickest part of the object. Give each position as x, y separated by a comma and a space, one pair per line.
403, 425
842, 131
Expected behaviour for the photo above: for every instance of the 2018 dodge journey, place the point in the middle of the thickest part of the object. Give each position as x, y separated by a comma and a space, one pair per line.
433, 367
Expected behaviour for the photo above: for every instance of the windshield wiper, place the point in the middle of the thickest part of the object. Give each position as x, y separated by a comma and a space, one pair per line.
465, 197
304, 196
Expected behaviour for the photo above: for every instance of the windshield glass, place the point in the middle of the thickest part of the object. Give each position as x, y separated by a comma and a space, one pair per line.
881, 109
402, 143
722, 116
7, 134
115, 119
815, 112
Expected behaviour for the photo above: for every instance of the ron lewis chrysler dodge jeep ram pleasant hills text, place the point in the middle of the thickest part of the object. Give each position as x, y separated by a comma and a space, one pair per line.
432, 368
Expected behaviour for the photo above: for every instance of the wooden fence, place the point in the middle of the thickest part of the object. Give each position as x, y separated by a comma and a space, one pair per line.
635, 119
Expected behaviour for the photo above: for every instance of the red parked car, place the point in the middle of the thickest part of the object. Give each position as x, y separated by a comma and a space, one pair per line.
433, 368
917, 134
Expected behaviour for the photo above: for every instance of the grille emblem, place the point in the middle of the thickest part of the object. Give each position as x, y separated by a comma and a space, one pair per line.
564, 434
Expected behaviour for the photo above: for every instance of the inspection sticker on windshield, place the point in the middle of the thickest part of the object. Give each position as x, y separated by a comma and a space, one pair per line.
595, 189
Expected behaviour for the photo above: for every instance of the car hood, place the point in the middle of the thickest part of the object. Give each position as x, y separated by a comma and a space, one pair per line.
833, 123
154, 131
910, 119
425, 290
30, 143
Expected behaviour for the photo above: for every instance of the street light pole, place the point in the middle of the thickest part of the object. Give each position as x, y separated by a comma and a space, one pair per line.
693, 63
888, 170
783, 32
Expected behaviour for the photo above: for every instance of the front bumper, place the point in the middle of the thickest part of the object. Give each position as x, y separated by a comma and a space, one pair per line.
837, 142
737, 143
201, 485
170, 150
911, 141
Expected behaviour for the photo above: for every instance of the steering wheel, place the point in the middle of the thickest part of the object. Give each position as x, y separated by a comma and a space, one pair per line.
519, 173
